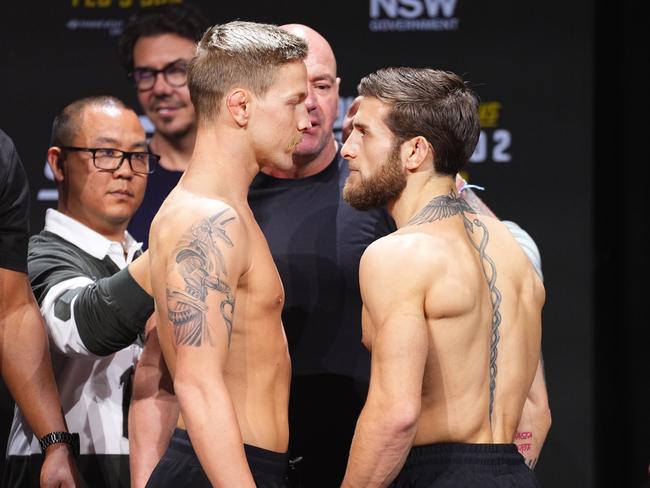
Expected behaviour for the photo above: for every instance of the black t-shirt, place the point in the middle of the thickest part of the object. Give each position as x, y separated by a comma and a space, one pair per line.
317, 240
159, 184
14, 208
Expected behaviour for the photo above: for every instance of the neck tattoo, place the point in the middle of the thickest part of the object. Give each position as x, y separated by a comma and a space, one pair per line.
446, 206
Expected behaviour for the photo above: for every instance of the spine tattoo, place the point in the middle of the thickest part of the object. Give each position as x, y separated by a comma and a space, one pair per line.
200, 262
446, 206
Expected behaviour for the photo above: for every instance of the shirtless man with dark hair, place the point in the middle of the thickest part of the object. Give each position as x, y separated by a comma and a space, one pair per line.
217, 291
443, 295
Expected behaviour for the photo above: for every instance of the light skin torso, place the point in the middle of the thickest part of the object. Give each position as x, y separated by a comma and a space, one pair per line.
256, 366
453, 308
443, 312
217, 291
430, 292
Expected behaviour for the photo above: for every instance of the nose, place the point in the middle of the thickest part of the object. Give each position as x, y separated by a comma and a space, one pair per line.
160, 86
124, 170
310, 101
348, 150
303, 119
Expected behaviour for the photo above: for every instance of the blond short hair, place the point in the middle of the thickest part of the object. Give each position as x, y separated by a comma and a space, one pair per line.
245, 54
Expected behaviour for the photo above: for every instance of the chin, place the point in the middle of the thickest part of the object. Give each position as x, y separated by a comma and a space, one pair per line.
309, 146
284, 163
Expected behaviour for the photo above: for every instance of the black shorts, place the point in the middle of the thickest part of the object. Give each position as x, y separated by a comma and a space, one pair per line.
466, 466
180, 466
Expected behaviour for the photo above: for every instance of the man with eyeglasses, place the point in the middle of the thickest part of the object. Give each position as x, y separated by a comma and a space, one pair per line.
92, 291
156, 47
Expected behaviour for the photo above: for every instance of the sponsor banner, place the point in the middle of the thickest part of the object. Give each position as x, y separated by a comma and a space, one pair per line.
413, 15
100, 8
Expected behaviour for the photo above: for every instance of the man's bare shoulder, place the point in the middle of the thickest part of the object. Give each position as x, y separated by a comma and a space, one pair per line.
510, 258
410, 257
184, 212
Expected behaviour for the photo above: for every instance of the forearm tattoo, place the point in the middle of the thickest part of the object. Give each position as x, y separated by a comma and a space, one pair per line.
445, 206
200, 262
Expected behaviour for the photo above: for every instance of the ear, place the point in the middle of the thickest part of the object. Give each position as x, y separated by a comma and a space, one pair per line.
416, 152
238, 104
55, 161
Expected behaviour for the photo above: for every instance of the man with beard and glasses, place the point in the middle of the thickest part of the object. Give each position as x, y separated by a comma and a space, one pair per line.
156, 46
451, 303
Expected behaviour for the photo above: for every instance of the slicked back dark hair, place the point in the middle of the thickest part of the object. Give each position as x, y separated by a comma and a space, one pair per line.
436, 105
184, 20
67, 123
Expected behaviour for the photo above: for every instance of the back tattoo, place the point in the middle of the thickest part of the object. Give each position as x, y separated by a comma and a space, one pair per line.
445, 206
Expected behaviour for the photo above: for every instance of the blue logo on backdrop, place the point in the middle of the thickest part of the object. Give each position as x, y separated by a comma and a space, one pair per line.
413, 15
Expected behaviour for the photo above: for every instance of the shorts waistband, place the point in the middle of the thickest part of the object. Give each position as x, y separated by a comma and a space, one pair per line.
269, 461
489, 457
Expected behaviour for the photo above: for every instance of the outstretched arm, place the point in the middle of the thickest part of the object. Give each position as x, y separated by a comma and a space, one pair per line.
395, 331
86, 316
201, 284
27, 370
153, 411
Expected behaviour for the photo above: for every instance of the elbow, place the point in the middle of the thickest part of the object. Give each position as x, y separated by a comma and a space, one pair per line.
192, 389
185, 387
401, 418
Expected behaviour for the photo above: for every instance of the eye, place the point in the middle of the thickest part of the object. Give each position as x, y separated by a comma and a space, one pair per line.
142, 74
142, 157
322, 86
177, 69
107, 153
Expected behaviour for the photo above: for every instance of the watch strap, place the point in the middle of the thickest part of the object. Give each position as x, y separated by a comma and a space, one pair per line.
71, 439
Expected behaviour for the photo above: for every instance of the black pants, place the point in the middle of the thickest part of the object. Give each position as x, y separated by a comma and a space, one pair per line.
180, 466
465, 466
323, 412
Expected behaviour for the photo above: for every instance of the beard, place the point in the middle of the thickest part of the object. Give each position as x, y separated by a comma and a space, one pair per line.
378, 189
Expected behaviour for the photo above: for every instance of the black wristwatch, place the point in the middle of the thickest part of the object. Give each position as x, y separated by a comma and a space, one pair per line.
71, 439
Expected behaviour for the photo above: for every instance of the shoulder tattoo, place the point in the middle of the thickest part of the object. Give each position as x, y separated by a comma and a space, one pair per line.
199, 261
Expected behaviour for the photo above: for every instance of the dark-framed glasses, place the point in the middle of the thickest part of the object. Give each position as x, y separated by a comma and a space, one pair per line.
141, 162
175, 75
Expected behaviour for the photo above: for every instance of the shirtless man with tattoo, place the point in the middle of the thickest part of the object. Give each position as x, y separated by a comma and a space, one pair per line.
442, 296
217, 291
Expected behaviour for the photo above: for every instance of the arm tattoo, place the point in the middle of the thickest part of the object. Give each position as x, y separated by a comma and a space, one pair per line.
201, 264
445, 206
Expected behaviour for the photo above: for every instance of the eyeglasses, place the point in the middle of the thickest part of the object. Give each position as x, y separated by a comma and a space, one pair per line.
175, 75
141, 162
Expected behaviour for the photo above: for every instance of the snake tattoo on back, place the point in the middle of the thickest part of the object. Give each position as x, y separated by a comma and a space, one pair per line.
445, 206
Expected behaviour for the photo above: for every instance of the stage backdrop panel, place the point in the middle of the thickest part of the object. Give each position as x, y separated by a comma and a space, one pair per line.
531, 64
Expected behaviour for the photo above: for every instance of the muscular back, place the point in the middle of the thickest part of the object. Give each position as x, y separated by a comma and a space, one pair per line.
519, 343
218, 299
433, 286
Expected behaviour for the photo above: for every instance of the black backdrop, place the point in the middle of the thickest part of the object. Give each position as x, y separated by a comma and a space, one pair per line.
534, 65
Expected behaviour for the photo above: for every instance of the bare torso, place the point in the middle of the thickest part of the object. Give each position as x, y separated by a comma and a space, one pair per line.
452, 279
256, 367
